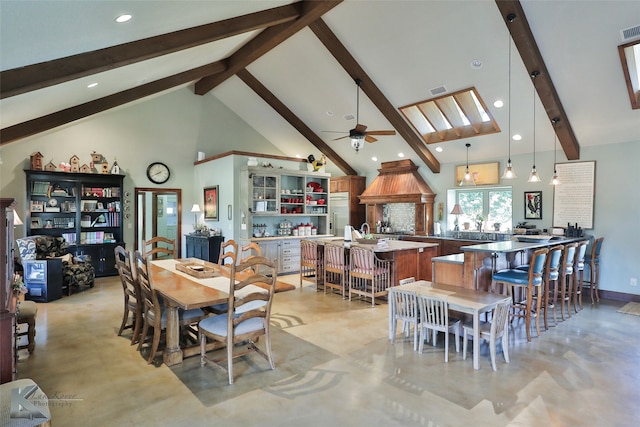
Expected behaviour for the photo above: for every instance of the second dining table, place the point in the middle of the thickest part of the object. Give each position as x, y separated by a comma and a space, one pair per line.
460, 299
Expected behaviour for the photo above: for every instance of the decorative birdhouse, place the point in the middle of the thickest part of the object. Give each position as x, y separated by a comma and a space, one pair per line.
92, 168
97, 157
105, 167
36, 160
74, 161
50, 167
85, 169
115, 169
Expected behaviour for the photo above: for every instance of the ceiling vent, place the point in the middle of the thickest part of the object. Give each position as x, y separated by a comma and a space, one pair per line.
438, 90
629, 34
349, 117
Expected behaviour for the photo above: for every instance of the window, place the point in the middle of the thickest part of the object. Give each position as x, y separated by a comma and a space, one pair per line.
488, 206
451, 117
630, 57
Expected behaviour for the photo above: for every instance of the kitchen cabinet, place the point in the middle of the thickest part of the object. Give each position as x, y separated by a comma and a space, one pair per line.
289, 256
279, 197
204, 247
83, 208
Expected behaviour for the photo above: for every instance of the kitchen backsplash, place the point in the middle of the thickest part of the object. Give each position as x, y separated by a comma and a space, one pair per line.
401, 216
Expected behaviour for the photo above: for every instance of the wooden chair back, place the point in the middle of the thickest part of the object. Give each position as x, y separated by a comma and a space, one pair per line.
152, 248
131, 289
249, 251
228, 251
151, 303
334, 258
407, 280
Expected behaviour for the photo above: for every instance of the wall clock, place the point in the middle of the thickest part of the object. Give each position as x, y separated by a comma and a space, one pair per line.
158, 173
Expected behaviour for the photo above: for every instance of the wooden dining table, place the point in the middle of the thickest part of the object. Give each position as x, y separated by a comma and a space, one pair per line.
460, 299
182, 291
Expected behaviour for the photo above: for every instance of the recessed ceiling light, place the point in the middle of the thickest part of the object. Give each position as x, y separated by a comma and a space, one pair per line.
123, 18
400, 154
92, 85
374, 158
498, 103
298, 156
517, 137
330, 113
476, 64
439, 149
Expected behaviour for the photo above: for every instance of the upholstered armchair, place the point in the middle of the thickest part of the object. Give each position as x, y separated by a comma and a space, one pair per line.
77, 271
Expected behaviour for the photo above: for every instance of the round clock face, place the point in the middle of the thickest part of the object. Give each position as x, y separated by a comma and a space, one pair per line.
158, 173
53, 202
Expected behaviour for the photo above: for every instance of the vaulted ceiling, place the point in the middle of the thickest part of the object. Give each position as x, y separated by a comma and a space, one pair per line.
288, 68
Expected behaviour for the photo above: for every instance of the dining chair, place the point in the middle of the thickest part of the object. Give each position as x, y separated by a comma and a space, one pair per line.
26, 315
228, 250
311, 263
578, 274
132, 298
336, 269
565, 282
403, 306
249, 251
491, 331
153, 313
515, 280
248, 316
369, 276
592, 260
159, 247
434, 316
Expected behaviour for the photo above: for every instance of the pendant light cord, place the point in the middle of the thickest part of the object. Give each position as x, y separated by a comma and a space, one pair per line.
510, 18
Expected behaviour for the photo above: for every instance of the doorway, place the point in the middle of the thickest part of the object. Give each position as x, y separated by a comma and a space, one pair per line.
158, 212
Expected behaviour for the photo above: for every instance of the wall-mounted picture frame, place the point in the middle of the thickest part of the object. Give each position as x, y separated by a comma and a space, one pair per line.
533, 205
36, 223
211, 203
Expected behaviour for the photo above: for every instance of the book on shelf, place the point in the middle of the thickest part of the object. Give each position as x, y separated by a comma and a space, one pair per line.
91, 237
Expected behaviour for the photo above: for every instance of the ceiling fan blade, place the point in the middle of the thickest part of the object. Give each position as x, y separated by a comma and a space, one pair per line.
334, 131
369, 138
381, 132
360, 128
342, 137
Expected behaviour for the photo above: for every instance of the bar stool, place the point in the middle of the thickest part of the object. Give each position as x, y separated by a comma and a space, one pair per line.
516, 278
566, 280
578, 274
311, 263
27, 312
335, 269
593, 261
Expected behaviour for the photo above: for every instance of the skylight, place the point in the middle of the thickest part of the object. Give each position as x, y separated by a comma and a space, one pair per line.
630, 57
450, 117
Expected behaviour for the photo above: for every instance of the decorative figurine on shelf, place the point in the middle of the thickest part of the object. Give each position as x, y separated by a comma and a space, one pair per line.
92, 168
115, 169
105, 167
97, 158
85, 169
317, 164
50, 167
74, 161
66, 167
36, 160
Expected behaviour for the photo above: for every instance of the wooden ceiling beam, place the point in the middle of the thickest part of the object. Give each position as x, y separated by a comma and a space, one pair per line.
68, 115
265, 41
351, 66
532, 58
294, 121
37, 76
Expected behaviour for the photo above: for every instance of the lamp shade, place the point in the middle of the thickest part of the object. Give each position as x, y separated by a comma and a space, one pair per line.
195, 208
16, 218
457, 210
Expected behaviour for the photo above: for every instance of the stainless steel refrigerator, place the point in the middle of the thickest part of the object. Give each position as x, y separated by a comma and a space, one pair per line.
338, 213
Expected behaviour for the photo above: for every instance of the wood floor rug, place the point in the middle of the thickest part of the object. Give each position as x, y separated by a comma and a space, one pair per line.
630, 308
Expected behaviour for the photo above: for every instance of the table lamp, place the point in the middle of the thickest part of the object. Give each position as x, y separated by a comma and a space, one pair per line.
457, 210
195, 209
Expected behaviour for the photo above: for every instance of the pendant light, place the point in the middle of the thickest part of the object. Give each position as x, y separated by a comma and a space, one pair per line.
533, 176
555, 180
509, 173
468, 179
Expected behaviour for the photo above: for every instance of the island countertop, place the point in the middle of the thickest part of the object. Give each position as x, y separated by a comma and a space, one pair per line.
391, 246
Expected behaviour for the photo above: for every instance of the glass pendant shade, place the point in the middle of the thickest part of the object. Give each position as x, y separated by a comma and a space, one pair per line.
509, 173
533, 175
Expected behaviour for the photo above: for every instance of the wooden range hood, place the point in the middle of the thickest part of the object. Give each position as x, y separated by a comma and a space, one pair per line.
400, 182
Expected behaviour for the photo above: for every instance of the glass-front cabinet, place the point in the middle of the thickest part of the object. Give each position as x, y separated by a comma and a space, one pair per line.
286, 203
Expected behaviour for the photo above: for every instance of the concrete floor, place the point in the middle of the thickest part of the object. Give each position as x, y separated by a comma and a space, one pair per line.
335, 366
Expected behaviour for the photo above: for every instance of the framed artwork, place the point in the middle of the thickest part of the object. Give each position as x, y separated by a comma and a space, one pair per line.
483, 173
533, 205
211, 203
573, 200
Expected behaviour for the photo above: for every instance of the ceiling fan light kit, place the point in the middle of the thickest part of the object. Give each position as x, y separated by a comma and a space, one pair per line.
359, 134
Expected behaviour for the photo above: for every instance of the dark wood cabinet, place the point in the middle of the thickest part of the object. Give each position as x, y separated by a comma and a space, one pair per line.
84, 208
354, 186
7, 302
204, 247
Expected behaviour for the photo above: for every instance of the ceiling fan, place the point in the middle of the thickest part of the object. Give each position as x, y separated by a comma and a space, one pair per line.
359, 134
